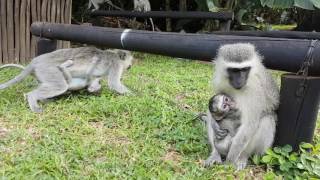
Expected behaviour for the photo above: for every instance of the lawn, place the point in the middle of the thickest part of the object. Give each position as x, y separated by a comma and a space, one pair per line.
149, 135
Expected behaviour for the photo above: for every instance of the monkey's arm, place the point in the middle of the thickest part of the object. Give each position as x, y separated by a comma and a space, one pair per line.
63, 67
114, 79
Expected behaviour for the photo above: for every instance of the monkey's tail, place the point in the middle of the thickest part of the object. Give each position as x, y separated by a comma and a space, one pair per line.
27, 70
151, 21
12, 65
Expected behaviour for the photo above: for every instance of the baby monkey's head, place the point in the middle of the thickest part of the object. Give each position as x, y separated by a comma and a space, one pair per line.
220, 105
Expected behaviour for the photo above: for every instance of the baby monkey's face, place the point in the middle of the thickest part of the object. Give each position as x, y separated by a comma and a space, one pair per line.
220, 105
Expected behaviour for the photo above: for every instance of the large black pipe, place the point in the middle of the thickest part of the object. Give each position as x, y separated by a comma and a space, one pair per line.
273, 34
279, 54
225, 16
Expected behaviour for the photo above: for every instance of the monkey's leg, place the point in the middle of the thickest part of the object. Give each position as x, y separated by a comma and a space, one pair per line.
214, 155
89, 4
114, 80
63, 68
52, 84
152, 25
223, 145
96, 5
95, 86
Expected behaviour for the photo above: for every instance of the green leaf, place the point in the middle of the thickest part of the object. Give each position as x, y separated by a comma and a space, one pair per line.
266, 158
287, 148
256, 159
300, 166
306, 145
269, 176
316, 3
304, 4
277, 150
283, 4
268, 3
293, 157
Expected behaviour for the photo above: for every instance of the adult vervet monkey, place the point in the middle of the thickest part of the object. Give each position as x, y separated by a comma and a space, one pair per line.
239, 72
143, 6
88, 65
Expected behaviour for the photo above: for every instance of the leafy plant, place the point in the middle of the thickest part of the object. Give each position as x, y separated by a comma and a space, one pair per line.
293, 165
304, 4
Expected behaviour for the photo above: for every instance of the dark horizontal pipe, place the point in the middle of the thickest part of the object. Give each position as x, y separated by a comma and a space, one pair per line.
279, 54
167, 14
273, 34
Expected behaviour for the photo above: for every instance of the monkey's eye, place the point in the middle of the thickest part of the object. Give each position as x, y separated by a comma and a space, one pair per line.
226, 99
224, 106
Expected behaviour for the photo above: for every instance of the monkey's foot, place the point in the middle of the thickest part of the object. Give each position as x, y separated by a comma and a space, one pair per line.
240, 164
33, 104
212, 160
94, 89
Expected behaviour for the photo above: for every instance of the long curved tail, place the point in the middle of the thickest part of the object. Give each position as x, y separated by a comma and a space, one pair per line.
27, 70
12, 65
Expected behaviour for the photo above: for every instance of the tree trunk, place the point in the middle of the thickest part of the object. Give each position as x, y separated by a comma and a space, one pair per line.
168, 20
183, 5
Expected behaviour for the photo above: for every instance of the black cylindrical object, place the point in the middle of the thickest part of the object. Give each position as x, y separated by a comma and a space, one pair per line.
272, 34
299, 106
45, 45
224, 16
279, 54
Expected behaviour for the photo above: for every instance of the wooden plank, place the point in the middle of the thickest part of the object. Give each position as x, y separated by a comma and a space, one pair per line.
4, 41
67, 15
38, 10
49, 11
58, 19
44, 10
23, 31
53, 11
0, 38
34, 18
17, 30
28, 34
10, 30
62, 8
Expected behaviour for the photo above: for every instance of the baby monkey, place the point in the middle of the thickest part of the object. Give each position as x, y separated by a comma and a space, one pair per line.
223, 121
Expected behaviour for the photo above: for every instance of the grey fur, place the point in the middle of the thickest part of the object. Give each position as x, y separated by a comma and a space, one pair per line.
83, 72
12, 65
257, 101
235, 53
222, 126
143, 6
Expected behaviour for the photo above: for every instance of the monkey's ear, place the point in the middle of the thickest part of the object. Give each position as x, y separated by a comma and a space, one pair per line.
122, 55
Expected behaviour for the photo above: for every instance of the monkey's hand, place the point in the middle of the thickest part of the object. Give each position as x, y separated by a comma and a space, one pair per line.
221, 133
212, 159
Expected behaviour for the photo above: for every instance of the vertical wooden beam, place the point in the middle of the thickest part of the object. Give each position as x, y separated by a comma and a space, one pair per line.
23, 31
67, 15
34, 18
10, 30
44, 10
53, 11
0, 37
4, 41
28, 34
17, 30
49, 11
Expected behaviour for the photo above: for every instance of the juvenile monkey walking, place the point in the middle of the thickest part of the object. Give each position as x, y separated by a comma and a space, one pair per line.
74, 69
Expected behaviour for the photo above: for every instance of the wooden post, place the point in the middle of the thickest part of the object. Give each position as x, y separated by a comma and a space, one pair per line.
299, 105
45, 46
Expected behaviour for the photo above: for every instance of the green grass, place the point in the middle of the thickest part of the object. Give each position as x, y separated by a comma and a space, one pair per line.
151, 134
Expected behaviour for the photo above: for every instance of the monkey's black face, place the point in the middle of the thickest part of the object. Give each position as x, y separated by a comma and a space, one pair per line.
238, 76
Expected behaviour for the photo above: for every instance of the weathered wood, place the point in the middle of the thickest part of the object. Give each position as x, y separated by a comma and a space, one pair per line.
53, 11
34, 18
28, 34
23, 31
4, 41
44, 10
10, 31
49, 11
16, 30
0, 38
17, 45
